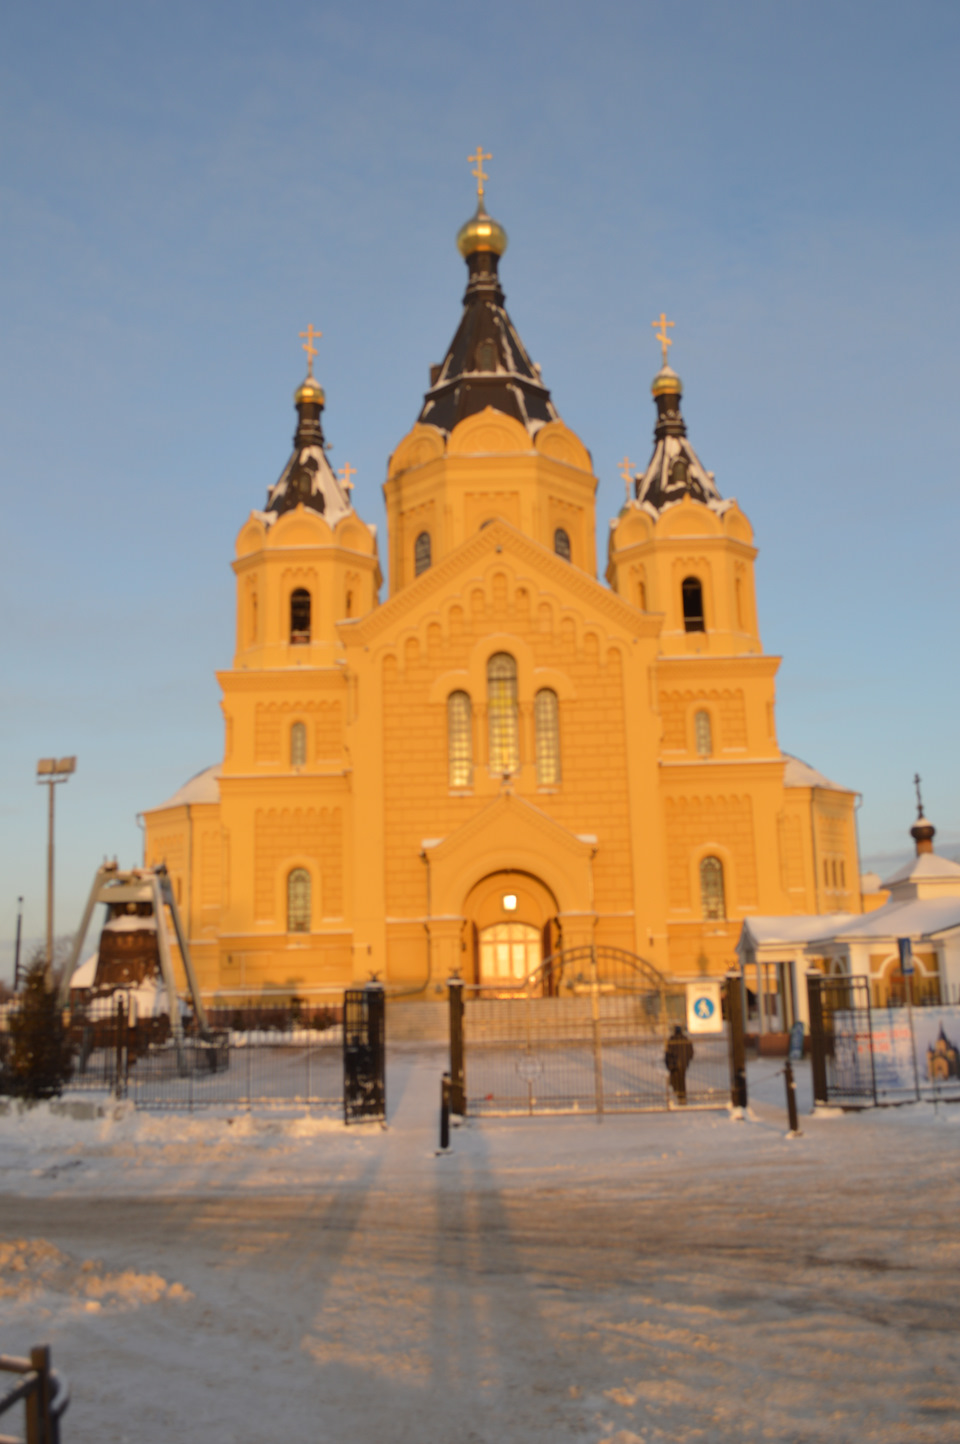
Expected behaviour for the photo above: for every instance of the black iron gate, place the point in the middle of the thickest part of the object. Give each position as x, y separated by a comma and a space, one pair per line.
364, 1054
841, 1040
587, 1031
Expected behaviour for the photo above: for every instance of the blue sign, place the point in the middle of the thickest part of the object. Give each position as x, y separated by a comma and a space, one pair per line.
906, 956
704, 1008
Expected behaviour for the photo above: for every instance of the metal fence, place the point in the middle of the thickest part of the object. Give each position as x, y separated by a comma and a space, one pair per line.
590, 1030
863, 1056
259, 1054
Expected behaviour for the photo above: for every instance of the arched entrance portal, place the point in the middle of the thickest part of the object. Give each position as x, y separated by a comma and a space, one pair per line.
512, 926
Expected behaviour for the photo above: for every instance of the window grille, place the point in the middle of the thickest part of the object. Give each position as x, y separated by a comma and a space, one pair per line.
561, 543
459, 739
298, 744
703, 733
546, 712
298, 901
300, 616
421, 553
692, 591
502, 713
711, 888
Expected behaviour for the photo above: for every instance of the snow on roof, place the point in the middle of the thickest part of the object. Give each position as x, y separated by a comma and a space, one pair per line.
84, 975
798, 773
202, 787
918, 917
795, 927
927, 867
130, 923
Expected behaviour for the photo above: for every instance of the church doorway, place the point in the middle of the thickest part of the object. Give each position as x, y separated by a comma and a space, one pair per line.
512, 925
509, 952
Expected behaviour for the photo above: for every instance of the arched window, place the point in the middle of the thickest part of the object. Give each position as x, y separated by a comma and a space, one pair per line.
703, 734
421, 553
459, 739
487, 356
561, 543
252, 620
692, 605
712, 900
300, 615
298, 744
502, 712
642, 596
298, 901
738, 598
546, 714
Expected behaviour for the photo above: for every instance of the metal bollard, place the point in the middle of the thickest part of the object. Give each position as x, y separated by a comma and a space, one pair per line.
445, 1112
791, 1097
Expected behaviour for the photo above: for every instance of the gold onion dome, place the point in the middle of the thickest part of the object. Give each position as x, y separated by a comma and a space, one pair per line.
666, 382
481, 233
310, 390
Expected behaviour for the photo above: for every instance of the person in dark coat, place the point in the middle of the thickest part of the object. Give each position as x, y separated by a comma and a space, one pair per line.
677, 1059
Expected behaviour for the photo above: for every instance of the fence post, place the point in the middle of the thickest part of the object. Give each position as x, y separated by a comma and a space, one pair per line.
37, 1401
458, 1089
818, 1051
118, 1086
445, 1112
597, 1040
737, 1044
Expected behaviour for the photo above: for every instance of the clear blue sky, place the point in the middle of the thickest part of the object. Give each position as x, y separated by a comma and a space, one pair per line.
184, 185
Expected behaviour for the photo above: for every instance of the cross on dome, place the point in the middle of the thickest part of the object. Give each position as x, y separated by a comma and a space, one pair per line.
479, 171
309, 347
916, 783
344, 475
662, 337
626, 471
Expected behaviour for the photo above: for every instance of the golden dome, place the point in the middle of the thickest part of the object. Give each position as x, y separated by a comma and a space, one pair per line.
481, 233
666, 382
310, 390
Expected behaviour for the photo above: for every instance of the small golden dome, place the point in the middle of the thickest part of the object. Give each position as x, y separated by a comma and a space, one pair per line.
667, 382
481, 233
310, 390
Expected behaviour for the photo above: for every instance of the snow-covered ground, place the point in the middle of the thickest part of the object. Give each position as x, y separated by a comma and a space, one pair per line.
659, 1277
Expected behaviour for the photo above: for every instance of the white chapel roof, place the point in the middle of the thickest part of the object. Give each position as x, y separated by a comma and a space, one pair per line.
926, 867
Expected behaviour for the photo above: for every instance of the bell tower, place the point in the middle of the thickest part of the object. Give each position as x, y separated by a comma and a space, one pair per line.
679, 548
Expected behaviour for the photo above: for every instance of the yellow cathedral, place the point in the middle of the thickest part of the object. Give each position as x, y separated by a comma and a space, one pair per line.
506, 756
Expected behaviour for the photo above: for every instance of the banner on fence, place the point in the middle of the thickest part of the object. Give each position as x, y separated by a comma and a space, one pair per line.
896, 1032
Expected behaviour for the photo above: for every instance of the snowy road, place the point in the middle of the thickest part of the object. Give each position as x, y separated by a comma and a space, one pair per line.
646, 1278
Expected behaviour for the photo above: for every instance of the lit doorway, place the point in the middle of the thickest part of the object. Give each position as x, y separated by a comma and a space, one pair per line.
509, 952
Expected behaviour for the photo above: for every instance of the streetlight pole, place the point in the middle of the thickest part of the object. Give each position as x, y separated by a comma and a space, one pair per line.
50, 771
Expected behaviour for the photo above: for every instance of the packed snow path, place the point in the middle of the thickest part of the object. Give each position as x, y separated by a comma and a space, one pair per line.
651, 1277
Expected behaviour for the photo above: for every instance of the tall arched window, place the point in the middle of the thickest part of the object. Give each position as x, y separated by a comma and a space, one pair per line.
298, 901
502, 713
712, 899
561, 543
703, 733
300, 615
421, 553
546, 714
642, 596
252, 620
298, 744
692, 591
459, 739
